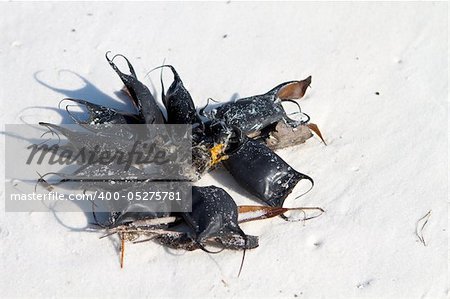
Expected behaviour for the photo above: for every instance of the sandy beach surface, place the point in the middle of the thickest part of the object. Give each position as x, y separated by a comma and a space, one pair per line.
379, 94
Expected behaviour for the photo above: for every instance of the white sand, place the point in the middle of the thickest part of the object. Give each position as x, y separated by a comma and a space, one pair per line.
385, 165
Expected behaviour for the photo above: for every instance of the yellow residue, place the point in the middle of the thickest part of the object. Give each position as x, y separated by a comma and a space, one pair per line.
217, 154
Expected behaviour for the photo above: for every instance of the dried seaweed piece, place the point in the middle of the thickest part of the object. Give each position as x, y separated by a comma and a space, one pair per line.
251, 213
293, 90
315, 129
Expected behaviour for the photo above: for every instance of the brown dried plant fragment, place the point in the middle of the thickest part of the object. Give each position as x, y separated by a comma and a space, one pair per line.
315, 129
251, 213
294, 90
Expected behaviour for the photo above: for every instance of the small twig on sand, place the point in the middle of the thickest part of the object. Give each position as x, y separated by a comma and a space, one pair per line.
419, 227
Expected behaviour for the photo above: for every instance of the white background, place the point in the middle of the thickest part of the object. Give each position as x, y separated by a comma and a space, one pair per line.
385, 165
